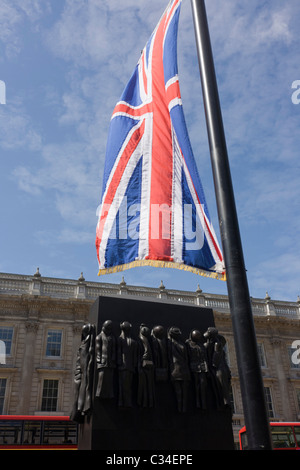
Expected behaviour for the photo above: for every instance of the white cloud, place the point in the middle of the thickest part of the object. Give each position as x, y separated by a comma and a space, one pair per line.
50, 238
274, 26
13, 13
69, 171
26, 181
17, 130
271, 196
88, 34
274, 275
9, 19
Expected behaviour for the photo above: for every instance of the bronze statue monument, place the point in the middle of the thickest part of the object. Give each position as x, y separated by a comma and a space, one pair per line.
151, 375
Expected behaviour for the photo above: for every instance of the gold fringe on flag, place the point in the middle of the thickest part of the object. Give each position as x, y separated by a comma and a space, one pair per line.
162, 264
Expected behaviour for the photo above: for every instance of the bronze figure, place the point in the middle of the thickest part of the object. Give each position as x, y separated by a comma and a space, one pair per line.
105, 361
127, 356
146, 390
179, 367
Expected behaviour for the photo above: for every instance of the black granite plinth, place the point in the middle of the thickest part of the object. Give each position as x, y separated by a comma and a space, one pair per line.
161, 427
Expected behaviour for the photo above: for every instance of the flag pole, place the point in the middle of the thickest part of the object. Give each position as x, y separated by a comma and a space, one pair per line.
255, 413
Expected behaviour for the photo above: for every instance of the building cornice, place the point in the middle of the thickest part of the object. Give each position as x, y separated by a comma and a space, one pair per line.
37, 290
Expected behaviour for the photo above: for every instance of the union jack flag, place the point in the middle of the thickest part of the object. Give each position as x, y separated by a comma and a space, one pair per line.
153, 209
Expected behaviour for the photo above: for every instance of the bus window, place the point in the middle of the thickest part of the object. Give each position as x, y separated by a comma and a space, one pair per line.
59, 432
10, 432
283, 437
32, 432
297, 434
244, 441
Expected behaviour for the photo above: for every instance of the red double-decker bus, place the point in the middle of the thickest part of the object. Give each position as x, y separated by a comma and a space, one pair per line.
285, 436
37, 432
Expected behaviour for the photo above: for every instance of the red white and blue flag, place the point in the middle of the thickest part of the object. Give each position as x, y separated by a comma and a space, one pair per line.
153, 210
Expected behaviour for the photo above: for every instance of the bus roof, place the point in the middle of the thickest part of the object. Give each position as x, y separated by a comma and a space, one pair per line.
34, 418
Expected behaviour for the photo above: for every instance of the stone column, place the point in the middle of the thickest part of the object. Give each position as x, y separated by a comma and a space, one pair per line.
162, 291
123, 287
283, 385
27, 371
200, 297
270, 309
80, 292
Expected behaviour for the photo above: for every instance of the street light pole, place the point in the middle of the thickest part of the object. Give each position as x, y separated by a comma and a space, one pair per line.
256, 418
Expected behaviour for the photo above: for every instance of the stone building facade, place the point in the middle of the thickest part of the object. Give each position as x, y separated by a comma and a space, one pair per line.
40, 329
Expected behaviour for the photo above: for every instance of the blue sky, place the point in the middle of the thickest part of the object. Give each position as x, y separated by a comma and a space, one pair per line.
65, 64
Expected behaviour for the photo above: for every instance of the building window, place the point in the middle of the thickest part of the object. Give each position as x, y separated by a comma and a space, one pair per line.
2, 394
6, 335
54, 339
269, 402
261, 355
50, 395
